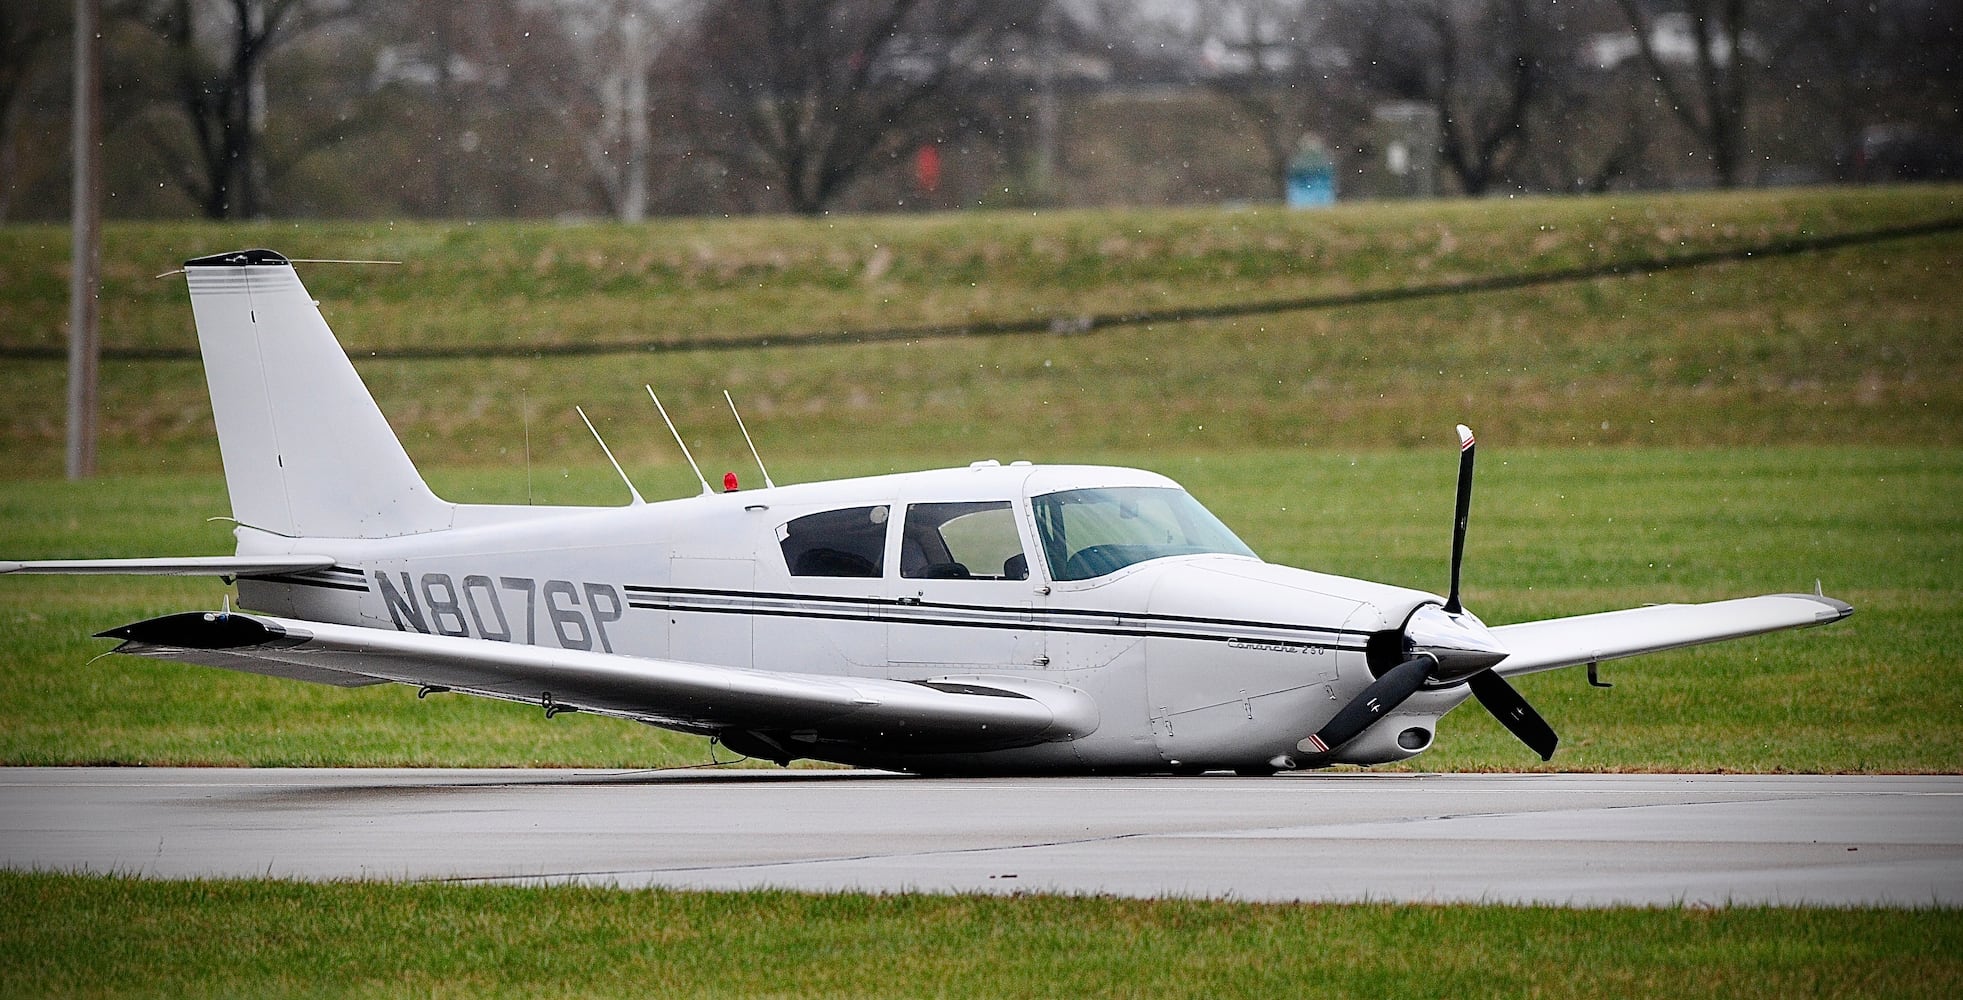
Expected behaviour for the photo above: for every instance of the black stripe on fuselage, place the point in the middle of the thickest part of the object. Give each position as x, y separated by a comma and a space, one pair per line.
332, 578
634, 589
825, 607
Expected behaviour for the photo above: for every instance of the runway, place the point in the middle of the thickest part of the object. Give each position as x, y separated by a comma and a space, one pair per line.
1576, 840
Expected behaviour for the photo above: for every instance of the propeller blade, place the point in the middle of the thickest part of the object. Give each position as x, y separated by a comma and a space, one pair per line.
1514, 713
1382, 696
1462, 512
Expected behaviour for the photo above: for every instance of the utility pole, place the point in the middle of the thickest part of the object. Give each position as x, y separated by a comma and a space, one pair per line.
1044, 181
637, 57
252, 201
85, 228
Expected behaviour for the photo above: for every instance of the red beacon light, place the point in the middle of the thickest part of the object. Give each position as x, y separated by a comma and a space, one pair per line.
729, 482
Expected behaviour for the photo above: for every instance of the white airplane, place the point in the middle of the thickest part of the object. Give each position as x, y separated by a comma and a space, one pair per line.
983, 620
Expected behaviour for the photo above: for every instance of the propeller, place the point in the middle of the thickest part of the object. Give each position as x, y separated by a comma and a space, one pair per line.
1443, 646
1383, 694
1462, 510
1514, 713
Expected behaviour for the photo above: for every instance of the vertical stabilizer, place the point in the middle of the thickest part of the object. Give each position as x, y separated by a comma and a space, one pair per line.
307, 453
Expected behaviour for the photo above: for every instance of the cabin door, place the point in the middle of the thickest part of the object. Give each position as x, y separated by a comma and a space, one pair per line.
961, 597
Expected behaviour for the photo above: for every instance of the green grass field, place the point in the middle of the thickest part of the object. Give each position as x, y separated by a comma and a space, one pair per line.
1743, 427
128, 937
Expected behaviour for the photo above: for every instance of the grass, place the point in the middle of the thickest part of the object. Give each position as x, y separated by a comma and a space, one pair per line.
1555, 532
543, 283
65, 935
1858, 344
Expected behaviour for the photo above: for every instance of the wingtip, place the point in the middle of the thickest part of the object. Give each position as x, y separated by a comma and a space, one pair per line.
202, 630
239, 258
1832, 609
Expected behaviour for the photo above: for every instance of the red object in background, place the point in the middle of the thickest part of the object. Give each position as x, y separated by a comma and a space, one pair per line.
729, 482
927, 168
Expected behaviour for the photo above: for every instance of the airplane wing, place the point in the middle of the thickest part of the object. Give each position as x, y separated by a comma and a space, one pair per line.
178, 566
1567, 642
951, 713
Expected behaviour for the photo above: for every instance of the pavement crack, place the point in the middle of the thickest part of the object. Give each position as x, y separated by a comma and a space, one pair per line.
788, 862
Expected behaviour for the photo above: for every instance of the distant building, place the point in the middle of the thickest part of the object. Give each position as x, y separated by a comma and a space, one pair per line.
1672, 38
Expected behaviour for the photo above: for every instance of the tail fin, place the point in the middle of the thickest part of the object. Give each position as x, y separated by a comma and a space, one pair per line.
306, 451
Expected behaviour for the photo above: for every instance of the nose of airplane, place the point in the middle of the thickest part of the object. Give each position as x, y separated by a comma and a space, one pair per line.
1459, 642
1444, 646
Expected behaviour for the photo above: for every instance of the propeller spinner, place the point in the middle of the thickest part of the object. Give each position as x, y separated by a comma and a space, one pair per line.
1444, 646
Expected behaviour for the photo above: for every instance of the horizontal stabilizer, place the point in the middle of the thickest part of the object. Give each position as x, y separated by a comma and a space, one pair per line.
968, 713
1568, 642
179, 566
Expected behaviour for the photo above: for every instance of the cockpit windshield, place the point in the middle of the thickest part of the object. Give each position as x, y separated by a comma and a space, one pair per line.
1088, 533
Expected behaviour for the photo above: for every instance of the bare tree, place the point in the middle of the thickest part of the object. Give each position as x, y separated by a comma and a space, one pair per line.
1481, 64
818, 92
1711, 103
1274, 61
1491, 76
484, 106
615, 44
217, 66
1587, 127
1603, 135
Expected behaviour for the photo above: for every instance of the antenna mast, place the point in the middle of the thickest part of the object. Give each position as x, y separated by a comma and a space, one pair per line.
746, 439
706, 491
616, 464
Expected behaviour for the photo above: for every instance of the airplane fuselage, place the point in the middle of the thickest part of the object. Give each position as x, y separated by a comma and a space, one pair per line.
1202, 660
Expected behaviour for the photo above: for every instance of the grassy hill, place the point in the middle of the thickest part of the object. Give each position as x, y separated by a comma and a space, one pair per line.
1860, 344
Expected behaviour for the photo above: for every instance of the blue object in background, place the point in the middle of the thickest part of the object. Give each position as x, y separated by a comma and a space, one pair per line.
1311, 176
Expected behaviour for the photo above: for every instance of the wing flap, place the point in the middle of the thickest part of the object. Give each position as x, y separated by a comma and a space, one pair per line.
247, 663
699, 696
175, 566
1567, 642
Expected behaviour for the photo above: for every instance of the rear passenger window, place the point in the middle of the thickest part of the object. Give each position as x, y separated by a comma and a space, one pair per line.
850, 542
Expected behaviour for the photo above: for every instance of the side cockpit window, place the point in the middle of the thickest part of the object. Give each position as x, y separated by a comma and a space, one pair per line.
849, 543
962, 541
